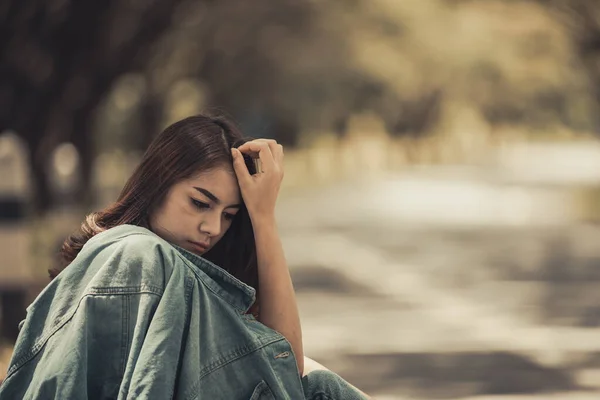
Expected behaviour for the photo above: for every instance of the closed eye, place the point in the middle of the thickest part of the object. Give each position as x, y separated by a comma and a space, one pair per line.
200, 204
228, 216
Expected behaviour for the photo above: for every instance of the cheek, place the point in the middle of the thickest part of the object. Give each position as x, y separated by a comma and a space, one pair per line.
172, 219
182, 208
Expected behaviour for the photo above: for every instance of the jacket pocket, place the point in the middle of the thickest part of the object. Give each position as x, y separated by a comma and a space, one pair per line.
262, 392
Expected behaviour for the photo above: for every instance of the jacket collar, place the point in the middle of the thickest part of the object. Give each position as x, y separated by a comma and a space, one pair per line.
221, 282
231, 289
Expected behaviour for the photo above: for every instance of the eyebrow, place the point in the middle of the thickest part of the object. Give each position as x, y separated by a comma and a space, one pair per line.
214, 198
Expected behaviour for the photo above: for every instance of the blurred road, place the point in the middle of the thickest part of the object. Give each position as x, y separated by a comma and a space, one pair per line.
407, 307
444, 284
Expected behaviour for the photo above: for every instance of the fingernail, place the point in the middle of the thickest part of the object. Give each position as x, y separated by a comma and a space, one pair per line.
233, 152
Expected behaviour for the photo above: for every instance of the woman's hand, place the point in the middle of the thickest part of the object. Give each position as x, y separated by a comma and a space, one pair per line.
260, 191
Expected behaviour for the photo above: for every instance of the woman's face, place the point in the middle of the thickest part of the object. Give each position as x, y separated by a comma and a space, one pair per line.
197, 212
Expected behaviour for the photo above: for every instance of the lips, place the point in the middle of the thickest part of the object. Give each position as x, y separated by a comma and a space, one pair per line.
200, 247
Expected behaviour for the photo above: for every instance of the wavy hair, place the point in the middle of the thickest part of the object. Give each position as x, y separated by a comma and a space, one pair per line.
197, 143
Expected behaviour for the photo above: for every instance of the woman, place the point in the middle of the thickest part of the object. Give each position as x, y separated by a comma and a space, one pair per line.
179, 289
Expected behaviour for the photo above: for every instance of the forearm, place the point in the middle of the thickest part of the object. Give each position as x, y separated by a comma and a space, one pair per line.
278, 308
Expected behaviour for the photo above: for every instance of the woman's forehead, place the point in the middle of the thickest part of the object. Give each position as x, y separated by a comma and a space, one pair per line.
222, 182
217, 175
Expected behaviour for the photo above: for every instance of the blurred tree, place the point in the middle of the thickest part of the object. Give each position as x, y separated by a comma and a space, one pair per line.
58, 60
281, 67
580, 20
241, 51
583, 20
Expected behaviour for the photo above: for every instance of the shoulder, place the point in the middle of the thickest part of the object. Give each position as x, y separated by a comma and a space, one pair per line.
132, 243
128, 256
129, 233
138, 241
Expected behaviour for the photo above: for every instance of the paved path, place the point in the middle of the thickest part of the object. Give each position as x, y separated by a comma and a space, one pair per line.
409, 311
408, 298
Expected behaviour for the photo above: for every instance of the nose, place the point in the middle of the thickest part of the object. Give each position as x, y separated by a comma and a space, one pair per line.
211, 224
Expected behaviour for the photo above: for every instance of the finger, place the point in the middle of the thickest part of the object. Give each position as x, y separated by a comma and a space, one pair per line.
261, 148
266, 140
273, 145
247, 151
245, 148
239, 166
276, 150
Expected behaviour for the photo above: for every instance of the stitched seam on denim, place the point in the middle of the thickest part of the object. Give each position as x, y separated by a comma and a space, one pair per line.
268, 391
264, 390
226, 276
209, 287
125, 334
25, 358
322, 394
225, 360
189, 287
206, 284
265, 338
102, 290
233, 280
223, 274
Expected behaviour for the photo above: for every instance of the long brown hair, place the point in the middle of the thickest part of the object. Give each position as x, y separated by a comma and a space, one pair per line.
197, 143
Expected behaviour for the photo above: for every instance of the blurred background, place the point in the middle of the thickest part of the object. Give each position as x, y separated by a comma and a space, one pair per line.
442, 195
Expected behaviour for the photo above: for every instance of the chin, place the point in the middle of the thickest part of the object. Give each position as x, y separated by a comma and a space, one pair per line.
195, 251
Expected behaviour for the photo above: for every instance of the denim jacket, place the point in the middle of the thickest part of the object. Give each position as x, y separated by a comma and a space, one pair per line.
134, 317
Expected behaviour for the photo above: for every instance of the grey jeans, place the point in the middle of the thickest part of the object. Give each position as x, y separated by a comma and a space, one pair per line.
327, 385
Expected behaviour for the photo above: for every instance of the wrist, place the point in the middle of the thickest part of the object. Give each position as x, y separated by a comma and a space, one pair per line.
262, 219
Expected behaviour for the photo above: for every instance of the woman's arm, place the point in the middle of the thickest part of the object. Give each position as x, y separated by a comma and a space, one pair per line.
278, 308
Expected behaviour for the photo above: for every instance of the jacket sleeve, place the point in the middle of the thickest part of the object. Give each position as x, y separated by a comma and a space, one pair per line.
157, 337
119, 337
85, 354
